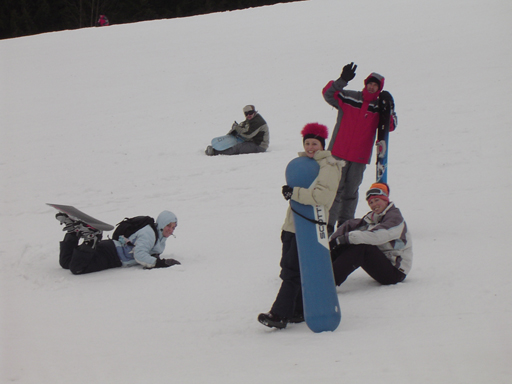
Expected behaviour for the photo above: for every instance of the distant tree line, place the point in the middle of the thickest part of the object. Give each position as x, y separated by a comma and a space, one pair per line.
29, 17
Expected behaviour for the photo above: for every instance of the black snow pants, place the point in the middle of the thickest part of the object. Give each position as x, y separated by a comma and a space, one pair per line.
85, 259
289, 298
347, 258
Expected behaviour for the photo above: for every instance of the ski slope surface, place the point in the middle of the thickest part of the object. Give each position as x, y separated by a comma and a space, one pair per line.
115, 121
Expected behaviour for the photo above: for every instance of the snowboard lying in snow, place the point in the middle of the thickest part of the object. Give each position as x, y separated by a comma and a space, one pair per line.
321, 306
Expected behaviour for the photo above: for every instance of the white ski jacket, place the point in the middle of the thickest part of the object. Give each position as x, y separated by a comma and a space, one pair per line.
388, 231
322, 191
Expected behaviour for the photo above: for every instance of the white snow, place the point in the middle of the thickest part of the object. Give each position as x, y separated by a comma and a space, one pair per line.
115, 122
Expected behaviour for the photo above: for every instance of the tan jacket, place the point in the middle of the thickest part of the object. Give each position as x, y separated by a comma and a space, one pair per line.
322, 191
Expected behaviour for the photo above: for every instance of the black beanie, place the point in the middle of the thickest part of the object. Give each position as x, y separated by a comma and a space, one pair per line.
373, 79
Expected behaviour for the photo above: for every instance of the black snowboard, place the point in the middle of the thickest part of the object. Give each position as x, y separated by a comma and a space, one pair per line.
76, 214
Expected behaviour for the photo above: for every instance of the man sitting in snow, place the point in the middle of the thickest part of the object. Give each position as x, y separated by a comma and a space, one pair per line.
253, 131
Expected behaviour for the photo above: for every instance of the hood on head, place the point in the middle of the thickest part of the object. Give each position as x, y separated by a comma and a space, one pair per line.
164, 219
378, 77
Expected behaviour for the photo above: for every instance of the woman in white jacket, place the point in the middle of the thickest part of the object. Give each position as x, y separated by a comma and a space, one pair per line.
379, 242
288, 306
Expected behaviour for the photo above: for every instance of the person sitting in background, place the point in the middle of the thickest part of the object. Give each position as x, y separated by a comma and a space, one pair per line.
253, 132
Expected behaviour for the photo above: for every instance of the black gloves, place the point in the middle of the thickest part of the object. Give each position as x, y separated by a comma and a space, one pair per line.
165, 263
338, 241
349, 72
386, 102
287, 192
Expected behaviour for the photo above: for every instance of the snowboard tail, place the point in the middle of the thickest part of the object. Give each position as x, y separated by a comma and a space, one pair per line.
76, 214
321, 306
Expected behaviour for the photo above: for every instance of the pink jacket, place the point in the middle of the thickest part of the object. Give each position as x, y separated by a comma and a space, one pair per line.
358, 118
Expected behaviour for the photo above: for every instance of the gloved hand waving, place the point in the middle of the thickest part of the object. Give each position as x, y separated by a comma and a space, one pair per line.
349, 72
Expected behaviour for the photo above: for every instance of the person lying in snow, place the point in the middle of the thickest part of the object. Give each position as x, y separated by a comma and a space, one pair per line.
142, 247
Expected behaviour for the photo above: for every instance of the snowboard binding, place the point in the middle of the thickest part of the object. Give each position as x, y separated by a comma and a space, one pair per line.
83, 230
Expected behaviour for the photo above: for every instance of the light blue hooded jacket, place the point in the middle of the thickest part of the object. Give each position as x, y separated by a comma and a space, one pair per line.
142, 248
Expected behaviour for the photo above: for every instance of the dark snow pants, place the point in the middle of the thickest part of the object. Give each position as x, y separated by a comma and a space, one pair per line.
347, 258
289, 298
85, 259
345, 203
241, 149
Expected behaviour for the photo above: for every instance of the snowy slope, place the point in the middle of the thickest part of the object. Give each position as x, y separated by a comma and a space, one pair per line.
115, 121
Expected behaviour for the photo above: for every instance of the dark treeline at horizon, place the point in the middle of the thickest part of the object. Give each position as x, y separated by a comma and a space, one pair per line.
30, 17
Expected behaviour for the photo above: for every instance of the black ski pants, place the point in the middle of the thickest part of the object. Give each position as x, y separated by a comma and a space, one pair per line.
347, 258
289, 298
85, 259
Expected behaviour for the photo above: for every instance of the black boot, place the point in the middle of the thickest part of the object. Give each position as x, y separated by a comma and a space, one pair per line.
298, 317
272, 321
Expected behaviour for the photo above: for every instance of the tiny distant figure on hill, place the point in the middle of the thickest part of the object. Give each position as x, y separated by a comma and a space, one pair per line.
103, 21
250, 136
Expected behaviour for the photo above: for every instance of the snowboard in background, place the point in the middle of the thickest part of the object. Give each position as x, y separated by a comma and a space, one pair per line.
383, 138
78, 215
321, 306
222, 143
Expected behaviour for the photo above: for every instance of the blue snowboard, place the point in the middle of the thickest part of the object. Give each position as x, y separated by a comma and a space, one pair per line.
321, 306
222, 143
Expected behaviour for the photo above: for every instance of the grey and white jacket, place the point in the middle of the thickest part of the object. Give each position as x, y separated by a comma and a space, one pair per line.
388, 231
254, 130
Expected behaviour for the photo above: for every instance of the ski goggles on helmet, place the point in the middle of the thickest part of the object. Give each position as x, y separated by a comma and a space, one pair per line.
375, 192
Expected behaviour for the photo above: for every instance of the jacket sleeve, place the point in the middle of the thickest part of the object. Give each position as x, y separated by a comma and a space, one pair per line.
331, 92
323, 190
348, 226
144, 240
390, 228
246, 132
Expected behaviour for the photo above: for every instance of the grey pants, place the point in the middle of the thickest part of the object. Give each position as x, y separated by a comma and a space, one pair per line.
344, 206
241, 149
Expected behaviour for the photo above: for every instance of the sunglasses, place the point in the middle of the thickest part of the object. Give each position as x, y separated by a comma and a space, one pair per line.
249, 113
